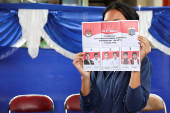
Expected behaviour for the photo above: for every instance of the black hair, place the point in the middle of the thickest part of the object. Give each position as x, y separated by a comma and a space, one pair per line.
114, 53
95, 54
87, 53
125, 53
128, 11
134, 53
106, 53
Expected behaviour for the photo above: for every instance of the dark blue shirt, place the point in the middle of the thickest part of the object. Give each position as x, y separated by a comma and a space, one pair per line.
111, 93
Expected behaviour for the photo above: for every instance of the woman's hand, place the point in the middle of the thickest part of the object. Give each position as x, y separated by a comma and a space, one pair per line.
145, 48
85, 75
78, 63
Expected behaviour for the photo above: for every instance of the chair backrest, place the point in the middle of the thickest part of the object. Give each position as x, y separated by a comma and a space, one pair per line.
72, 103
31, 103
155, 103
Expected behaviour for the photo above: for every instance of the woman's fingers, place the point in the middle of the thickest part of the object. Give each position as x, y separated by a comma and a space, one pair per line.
149, 49
143, 45
79, 59
75, 61
144, 40
78, 55
145, 49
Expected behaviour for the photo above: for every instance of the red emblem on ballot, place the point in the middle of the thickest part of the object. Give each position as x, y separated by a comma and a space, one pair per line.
88, 33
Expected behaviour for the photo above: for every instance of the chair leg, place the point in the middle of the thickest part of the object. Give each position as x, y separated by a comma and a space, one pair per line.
65, 110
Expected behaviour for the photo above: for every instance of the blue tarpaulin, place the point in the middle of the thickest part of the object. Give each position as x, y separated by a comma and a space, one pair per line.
54, 75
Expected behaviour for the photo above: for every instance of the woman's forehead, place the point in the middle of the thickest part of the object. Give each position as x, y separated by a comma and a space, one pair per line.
113, 15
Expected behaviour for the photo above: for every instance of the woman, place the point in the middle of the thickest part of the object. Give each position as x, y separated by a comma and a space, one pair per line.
119, 91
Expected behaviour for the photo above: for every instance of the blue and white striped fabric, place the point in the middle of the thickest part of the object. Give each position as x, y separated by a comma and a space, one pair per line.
63, 28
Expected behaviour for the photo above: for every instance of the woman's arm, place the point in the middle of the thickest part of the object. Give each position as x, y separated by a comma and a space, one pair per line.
136, 98
85, 75
140, 81
89, 94
145, 48
135, 79
85, 86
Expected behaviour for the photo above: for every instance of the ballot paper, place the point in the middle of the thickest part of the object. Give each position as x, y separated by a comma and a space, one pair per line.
111, 46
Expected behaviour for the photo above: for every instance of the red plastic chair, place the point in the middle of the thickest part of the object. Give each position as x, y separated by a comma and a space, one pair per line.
155, 103
72, 103
31, 103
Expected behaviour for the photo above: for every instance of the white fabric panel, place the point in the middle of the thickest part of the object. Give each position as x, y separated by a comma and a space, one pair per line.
159, 45
32, 22
20, 42
145, 18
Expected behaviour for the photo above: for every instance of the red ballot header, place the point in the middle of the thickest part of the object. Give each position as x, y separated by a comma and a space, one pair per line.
91, 28
110, 27
127, 25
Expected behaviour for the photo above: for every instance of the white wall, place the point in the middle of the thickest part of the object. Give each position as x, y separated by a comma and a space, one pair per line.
149, 2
